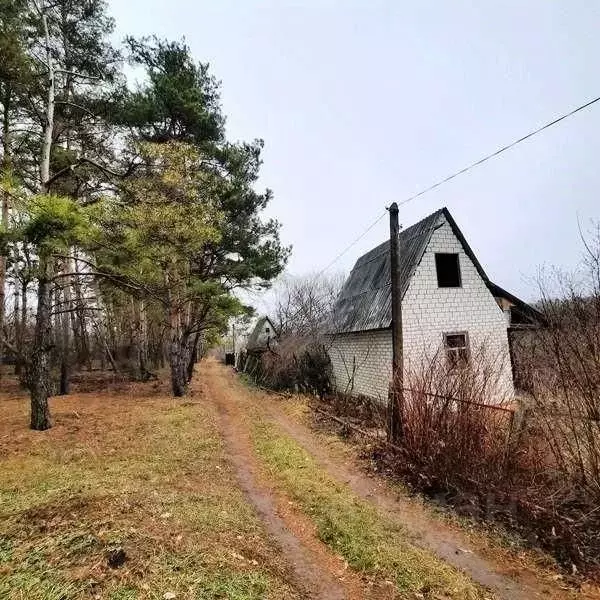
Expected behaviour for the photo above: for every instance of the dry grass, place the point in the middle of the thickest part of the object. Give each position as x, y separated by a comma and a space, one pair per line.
133, 470
492, 540
369, 542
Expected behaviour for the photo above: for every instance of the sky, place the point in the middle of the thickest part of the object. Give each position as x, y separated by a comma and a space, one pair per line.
364, 103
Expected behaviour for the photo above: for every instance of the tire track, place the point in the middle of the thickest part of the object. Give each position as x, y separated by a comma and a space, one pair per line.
313, 573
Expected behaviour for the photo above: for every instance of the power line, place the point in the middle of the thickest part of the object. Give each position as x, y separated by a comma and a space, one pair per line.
501, 150
464, 170
360, 237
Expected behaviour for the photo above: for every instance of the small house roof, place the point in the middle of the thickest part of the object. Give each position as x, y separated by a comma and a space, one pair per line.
522, 315
365, 301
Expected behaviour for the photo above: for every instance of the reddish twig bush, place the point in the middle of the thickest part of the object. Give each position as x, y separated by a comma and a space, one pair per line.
494, 459
452, 429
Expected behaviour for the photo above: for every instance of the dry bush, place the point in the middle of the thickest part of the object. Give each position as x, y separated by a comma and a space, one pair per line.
362, 410
455, 424
299, 361
563, 364
296, 365
565, 357
491, 461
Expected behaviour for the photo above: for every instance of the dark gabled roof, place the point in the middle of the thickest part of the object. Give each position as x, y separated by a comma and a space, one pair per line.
365, 300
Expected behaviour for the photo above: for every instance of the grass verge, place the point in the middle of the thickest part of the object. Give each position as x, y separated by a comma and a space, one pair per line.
132, 471
370, 543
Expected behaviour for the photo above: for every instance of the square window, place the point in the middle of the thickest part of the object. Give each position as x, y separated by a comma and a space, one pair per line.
447, 267
456, 346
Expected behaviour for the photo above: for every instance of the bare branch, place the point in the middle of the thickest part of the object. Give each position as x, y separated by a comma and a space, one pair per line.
77, 106
77, 74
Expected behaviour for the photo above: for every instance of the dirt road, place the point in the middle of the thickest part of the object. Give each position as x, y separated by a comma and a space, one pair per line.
316, 571
316, 567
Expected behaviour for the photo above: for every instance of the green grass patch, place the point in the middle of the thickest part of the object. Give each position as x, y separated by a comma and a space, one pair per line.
40, 584
208, 585
246, 380
152, 479
370, 543
235, 586
124, 593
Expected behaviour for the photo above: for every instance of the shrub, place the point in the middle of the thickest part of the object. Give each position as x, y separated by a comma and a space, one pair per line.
296, 366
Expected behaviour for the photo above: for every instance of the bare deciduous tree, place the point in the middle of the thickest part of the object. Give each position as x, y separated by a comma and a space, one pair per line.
303, 312
565, 365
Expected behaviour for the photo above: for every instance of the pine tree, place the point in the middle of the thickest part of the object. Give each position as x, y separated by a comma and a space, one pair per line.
180, 103
62, 146
15, 70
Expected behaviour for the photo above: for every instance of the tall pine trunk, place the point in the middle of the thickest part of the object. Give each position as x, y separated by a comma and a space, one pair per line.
21, 328
177, 354
79, 320
178, 369
193, 356
5, 164
65, 343
16, 313
143, 340
39, 367
140, 339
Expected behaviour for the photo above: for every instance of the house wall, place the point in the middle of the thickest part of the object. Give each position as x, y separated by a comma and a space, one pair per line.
362, 361
429, 311
263, 337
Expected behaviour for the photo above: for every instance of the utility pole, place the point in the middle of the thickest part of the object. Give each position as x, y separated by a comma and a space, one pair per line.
396, 392
233, 340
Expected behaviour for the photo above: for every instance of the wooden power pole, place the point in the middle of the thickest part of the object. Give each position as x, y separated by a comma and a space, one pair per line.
396, 393
233, 340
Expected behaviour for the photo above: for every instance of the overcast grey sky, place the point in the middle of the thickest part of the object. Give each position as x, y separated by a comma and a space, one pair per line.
364, 103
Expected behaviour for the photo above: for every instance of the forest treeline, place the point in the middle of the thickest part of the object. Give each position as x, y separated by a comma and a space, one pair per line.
128, 218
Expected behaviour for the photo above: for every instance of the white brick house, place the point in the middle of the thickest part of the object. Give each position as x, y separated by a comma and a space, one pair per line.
448, 307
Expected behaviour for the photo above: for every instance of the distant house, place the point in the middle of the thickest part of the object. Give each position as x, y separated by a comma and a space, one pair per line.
258, 336
449, 305
261, 335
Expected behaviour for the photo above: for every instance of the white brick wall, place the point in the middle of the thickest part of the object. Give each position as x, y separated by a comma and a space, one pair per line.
427, 313
362, 362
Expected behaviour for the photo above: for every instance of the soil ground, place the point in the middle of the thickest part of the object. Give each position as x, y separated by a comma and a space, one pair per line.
509, 575
206, 499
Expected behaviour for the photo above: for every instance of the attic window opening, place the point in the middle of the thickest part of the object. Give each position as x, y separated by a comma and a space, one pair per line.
267, 330
456, 346
447, 267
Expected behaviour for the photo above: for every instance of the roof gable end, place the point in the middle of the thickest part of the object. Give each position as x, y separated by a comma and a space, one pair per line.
468, 251
365, 300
